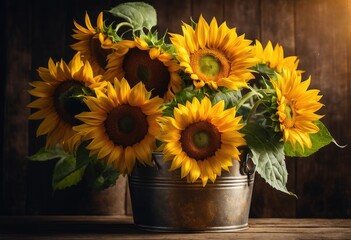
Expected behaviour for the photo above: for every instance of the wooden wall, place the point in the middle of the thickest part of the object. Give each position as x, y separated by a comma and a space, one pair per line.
317, 31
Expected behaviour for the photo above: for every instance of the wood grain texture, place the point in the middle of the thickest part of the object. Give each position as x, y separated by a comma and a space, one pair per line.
322, 43
171, 14
208, 9
121, 227
277, 24
48, 36
3, 74
245, 16
15, 112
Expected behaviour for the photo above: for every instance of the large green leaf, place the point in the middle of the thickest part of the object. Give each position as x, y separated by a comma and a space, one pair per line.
139, 14
100, 175
45, 154
268, 155
66, 173
69, 170
82, 155
72, 179
319, 140
230, 97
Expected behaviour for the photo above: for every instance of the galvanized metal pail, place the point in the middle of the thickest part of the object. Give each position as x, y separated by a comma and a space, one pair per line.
162, 201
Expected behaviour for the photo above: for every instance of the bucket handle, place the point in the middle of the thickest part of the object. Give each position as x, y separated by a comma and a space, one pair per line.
247, 167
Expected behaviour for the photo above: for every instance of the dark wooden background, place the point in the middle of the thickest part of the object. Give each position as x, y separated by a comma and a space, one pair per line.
317, 31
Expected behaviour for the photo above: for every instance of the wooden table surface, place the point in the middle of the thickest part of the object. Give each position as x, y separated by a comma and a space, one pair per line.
121, 227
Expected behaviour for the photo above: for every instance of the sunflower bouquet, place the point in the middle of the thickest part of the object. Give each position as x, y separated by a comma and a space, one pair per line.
203, 100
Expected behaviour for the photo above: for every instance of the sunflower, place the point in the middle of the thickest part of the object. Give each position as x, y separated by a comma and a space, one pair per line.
214, 55
93, 43
137, 62
274, 57
56, 104
121, 124
296, 108
201, 139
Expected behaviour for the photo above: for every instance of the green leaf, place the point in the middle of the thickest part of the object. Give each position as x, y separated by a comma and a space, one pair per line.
70, 180
82, 155
187, 94
139, 14
265, 71
100, 175
70, 170
106, 178
268, 155
66, 173
319, 140
231, 98
45, 154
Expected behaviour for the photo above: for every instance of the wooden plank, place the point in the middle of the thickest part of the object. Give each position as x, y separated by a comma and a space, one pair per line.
122, 220
15, 112
171, 14
48, 34
3, 58
198, 236
323, 42
208, 9
299, 222
277, 25
121, 227
269, 202
245, 16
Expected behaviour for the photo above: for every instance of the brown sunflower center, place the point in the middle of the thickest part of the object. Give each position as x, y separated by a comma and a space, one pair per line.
200, 140
99, 53
210, 64
289, 111
126, 125
138, 66
68, 101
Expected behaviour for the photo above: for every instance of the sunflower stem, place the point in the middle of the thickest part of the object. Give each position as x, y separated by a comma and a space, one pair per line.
123, 24
246, 98
268, 91
253, 110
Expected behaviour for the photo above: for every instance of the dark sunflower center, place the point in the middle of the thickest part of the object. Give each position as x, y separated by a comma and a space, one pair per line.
126, 125
210, 64
68, 101
99, 53
200, 140
139, 67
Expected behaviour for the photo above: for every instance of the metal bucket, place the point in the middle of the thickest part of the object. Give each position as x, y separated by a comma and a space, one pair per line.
163, 202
